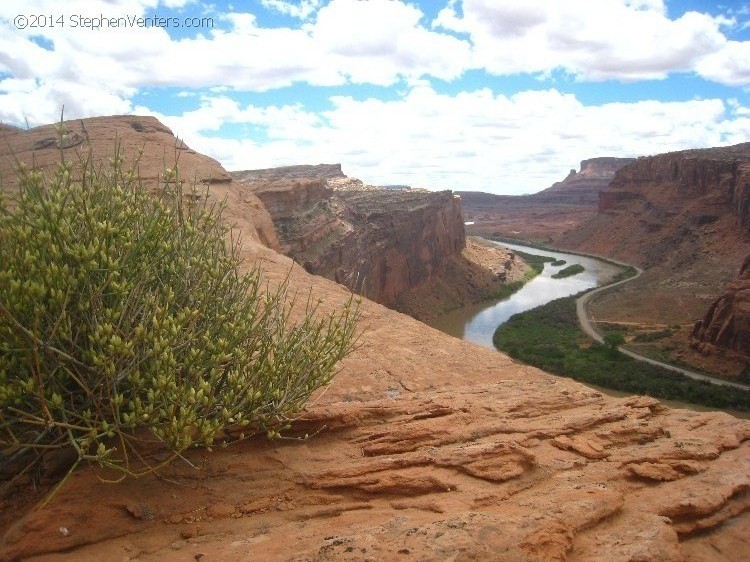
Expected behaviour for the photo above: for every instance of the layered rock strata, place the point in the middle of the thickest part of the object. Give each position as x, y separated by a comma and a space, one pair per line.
720, 173
382, 242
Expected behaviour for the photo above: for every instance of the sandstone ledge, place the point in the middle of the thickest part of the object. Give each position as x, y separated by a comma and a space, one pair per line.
430, 447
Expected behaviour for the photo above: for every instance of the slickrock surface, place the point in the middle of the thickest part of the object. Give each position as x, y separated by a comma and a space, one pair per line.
428, 448
161, 150
434, 447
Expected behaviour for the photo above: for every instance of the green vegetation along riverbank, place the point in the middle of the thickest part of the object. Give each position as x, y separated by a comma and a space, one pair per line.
573, 269
548, 337
536, 265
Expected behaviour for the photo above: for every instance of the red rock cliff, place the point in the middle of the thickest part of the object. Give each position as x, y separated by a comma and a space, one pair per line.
722, 173
726, 324
382, 241
677, 204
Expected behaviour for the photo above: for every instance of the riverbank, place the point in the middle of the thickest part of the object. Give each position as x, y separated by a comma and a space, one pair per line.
477, 323
549, 337
482, 272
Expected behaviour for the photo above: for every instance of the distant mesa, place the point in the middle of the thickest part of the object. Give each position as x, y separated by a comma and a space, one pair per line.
545, 215
296, 172
396, 187
331, 173
583, 187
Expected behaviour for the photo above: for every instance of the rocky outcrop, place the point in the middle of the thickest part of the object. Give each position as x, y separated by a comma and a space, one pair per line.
726, 324
382, 242
161, 149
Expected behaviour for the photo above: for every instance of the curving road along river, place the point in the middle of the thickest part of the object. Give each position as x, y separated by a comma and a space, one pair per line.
585, 321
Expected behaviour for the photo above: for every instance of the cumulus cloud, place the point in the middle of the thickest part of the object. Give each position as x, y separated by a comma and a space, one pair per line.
379, 42
477, 140
471, 139
608, 39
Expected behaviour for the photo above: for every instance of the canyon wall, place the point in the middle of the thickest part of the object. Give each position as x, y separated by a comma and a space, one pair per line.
545, 215
379, 241
726, 324
722, 174
675, 207
685, 218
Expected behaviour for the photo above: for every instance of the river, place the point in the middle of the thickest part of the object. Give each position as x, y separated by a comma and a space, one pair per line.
477, 323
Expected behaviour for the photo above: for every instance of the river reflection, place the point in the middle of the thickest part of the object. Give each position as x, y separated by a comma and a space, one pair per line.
477, 323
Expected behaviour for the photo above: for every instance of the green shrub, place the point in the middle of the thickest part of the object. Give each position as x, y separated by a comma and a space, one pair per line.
613, 340
124, 320
569, 271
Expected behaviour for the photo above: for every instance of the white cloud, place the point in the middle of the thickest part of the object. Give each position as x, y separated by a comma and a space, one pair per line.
606, 39
301, 9
472, 140
377, 42
729, 66
382, 42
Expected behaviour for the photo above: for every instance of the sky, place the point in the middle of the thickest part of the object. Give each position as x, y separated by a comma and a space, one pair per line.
502, 96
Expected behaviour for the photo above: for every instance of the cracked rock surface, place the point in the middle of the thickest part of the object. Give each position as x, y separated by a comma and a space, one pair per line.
424, 447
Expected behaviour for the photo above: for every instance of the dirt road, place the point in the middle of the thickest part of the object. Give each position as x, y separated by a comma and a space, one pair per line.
588, 327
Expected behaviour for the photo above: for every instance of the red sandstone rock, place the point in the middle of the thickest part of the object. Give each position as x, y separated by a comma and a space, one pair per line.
380, 241
429, 449
726, 324
161, 149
